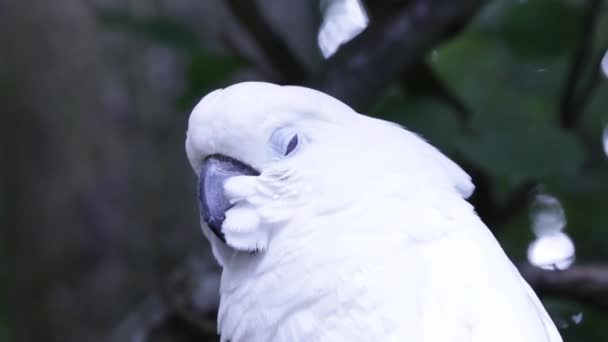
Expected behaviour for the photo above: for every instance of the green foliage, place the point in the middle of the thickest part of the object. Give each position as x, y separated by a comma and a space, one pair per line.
538, 29
509, 68
537, 152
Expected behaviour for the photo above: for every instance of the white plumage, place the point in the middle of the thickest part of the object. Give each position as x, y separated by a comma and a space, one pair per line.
362, 233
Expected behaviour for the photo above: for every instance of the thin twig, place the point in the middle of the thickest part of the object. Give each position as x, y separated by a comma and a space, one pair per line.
362, 69
588, 89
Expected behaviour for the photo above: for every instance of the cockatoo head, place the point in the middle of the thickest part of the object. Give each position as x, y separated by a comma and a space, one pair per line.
268, 155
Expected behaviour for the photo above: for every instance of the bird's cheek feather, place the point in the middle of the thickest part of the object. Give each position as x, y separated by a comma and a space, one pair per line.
240, 188
242, 229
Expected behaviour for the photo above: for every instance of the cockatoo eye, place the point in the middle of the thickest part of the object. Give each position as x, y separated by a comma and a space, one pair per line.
293, 143
285, 141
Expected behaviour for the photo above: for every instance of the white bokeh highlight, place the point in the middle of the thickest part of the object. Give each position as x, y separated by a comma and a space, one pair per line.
577, 318
342, 21
552, 252
552, 249
605, 64
547, 215
605, 140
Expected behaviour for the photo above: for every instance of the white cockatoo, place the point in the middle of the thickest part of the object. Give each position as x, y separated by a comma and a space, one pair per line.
333, 226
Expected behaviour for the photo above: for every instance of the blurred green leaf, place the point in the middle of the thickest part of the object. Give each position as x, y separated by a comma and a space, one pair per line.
537, 29
525, 152
434, 121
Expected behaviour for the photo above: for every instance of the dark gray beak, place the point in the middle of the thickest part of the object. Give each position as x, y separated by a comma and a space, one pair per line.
214, 204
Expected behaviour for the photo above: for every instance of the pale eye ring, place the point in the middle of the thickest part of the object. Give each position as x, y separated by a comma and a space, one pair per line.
286, 141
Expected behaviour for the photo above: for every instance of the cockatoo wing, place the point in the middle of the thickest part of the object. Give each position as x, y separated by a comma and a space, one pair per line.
474, 292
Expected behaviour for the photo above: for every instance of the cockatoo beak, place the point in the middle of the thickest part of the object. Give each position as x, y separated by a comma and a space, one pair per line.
213, 202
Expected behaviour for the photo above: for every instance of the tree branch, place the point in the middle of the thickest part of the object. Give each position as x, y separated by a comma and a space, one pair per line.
361, 70
571, 104
575, 97
587, 284
594, 81
272, 45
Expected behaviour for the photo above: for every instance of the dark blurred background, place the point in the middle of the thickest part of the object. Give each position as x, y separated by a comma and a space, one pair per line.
100, 239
